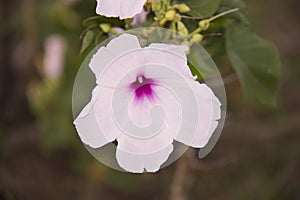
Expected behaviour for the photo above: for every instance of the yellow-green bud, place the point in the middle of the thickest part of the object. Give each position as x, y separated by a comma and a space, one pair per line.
105, 27
156, 5
163, 21
177, 18
183, 8
170, 15
182, 29
197, 37
204, 24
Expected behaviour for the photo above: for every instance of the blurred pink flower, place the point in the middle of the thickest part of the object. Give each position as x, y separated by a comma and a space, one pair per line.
53, 64
119, 8
131, 82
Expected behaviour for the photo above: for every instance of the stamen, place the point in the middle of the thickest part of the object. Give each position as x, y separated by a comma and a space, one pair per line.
140, 79
143, 88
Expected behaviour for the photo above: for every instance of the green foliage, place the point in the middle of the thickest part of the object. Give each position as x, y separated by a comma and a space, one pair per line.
93, 35
100, 19
87, 40
198, 66
204, 8
237, 16
50, 99
256, 62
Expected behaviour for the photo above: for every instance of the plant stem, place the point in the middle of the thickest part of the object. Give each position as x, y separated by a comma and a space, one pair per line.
180, 180
223, 13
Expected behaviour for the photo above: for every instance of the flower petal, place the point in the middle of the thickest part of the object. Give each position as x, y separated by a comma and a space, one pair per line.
120, 8
209, 112
123, 44
135, 152
137, 162
104, 113
108, 8
131, 142
176, 97
87, 125
172, 56
140, 112
106, 55
171, 105
130, 8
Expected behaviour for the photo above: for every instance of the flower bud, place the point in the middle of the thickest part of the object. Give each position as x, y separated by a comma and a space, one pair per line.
197, 37
177, 18
204, 24
183, 8
105, 27
170, 15
156, 5
182, 29
163, 21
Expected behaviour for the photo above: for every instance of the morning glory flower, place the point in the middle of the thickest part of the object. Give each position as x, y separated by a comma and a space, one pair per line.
145, 98
120, 8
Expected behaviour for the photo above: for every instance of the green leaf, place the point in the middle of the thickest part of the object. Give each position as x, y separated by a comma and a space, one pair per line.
256, 62
233, 4
199, 63
100, 19
239, 16
99, 38
87, 40
204, 8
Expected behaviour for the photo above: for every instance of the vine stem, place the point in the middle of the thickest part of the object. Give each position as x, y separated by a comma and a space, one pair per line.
223, 13
179, 183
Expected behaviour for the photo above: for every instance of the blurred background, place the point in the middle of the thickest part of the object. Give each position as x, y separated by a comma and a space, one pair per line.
41, 156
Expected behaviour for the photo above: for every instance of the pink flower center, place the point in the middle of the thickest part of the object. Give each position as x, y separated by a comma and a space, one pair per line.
143, 88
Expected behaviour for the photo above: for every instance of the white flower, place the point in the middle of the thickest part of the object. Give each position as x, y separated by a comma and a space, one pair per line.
120, 8
145, 98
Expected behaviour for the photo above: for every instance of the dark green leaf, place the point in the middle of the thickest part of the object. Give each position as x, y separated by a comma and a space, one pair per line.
205, 8
87, 40
256, 62
231, 4
99, 38
199, 62
100, 19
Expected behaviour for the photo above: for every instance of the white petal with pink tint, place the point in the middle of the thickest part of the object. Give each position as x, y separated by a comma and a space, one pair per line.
135, 155
138, 163
120, 8
209, 114
87, 126
106, 56
172, 56
145, 99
